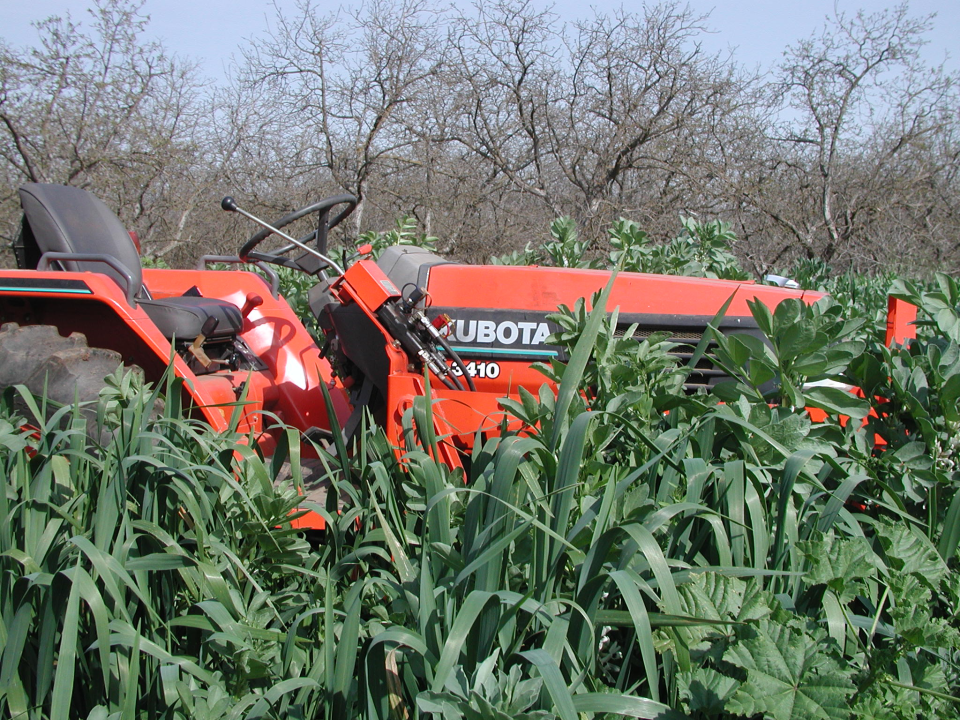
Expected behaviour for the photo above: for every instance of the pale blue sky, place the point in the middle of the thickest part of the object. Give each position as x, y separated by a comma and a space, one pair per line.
209, 31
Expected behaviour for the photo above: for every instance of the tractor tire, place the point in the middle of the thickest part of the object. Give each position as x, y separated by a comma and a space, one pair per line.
65, 369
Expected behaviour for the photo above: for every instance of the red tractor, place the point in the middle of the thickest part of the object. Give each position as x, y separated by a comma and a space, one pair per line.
80, 304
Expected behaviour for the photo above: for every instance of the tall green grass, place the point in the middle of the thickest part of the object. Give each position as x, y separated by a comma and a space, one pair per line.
154, 576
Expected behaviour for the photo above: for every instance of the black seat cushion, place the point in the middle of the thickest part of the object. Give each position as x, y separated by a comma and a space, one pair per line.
182, 317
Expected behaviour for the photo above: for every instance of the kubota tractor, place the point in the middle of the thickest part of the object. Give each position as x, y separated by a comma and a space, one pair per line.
81, 303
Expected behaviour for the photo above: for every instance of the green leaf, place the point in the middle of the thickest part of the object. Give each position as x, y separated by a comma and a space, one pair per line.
761, 313
950, 398
738, 353
707, 691
790, 392
346, 652
798, 340
456, 640
790, 431
791, 675
758, 350
907, 549
947, 546
627, 705
713, 596
836, 401
812, 364
67, 656
787, 315
553, 682
840, 563
573, 374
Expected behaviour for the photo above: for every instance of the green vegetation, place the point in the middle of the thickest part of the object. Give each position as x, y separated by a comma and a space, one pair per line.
702, 249
635, 552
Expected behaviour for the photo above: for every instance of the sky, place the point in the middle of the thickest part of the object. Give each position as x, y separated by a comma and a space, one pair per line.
210, 31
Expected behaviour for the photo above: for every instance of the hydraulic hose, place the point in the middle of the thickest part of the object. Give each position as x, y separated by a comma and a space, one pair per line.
456, 361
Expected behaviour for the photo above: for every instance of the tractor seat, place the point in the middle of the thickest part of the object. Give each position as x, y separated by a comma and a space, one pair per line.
66, 219
182, 317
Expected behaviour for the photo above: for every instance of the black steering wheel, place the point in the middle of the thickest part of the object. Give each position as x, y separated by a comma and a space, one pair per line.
324, 224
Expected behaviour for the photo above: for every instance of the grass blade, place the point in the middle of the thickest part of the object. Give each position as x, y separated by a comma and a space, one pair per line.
573, 373
67, 656
553, 681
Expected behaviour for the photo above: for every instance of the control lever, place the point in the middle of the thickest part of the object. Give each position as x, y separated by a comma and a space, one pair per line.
252, 301
206, 330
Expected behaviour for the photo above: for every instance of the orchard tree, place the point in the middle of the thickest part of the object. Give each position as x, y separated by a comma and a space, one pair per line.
601, 118
503, 75
100, 107
858, 108
634, 129
338, 85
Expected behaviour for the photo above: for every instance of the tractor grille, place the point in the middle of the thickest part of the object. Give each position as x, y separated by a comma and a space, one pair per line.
686, 333
686, 340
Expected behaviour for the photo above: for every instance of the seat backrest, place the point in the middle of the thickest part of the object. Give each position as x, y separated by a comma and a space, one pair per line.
62, 218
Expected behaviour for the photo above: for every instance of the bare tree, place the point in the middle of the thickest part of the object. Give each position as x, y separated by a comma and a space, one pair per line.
642, 104
503, 77
99, 108
593, 120
339, 84
855, 99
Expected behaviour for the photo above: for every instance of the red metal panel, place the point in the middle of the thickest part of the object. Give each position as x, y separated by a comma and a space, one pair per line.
370, 283
540, 288
900, 318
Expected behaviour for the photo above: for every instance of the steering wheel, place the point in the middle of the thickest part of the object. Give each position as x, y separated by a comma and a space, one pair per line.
324, 224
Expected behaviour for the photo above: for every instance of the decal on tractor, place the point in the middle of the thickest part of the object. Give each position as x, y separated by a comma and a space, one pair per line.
44, 285
479, 369
500, 333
